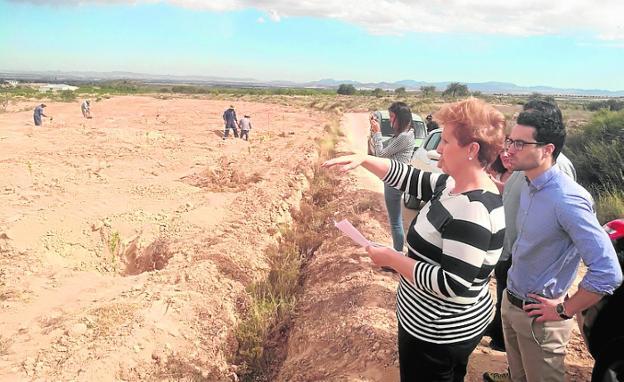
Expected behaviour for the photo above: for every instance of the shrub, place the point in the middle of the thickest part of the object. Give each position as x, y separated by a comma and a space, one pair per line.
346, 89
610, 205
427, 91
455, 89
67, 96
611, 104
597, 151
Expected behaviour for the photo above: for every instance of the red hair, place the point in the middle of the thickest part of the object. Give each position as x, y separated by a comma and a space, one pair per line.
475, 121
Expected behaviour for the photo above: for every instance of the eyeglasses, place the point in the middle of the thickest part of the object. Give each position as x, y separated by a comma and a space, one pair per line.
518, 144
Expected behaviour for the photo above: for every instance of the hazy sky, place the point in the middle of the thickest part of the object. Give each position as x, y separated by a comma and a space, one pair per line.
563, 43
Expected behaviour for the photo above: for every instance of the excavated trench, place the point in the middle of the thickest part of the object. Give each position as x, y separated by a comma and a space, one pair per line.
263, 335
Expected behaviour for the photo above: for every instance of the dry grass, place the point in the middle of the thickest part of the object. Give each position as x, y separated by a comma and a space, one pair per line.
179, 369
48, 324
367, 205
5, 344
224, 177
15, 295
262, 335
610, 205
110, 318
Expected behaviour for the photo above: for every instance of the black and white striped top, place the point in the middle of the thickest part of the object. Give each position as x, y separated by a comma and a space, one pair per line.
456, 240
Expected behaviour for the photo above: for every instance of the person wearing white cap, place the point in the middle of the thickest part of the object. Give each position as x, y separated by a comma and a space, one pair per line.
245, 126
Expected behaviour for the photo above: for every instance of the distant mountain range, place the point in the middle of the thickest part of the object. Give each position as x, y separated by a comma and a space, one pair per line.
484, 87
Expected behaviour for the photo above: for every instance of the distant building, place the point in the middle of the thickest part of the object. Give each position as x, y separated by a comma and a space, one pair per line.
11, 83
56, 88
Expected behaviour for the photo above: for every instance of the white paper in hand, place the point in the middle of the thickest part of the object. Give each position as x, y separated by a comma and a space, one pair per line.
348, 229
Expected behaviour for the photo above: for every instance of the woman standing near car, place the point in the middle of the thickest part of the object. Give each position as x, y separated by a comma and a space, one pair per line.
399, 148
443, 302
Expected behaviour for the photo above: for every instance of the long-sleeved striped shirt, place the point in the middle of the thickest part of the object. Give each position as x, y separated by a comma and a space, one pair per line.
456, 241
399, 148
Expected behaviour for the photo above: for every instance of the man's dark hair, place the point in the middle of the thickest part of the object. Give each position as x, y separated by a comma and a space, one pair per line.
547, 120
403, 116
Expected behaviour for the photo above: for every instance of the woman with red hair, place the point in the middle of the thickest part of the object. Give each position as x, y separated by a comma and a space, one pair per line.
443, 302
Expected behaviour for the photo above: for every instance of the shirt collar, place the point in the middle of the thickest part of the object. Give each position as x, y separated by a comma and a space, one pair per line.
543, 179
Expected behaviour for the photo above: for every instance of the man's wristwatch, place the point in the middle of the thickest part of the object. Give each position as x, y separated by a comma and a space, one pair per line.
561, 311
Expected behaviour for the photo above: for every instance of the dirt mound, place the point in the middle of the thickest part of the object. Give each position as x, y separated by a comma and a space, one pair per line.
226, 176
154, 257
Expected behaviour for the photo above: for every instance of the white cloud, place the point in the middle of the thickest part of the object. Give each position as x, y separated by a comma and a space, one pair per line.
274, 15
603, 19
261, 20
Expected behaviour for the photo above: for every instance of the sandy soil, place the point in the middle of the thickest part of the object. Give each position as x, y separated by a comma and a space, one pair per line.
90, 205
127, 241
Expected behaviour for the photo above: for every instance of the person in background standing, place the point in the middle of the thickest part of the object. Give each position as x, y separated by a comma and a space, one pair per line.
38, 113
245, 126
229, 117
400, 148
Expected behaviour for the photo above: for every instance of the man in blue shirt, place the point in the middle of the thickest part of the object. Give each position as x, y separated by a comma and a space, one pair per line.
229, 117
556, 229
38, 113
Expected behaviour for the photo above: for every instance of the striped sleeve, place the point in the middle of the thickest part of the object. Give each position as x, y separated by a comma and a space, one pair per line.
400, 143
415, 182
465, 244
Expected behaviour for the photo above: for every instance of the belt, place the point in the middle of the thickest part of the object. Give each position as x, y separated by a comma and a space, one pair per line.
520, 303
517, 301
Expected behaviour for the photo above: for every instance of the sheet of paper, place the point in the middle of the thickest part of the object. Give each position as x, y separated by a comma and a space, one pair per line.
348, 229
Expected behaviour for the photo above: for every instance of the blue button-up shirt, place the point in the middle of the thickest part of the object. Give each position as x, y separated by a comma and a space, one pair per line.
556, 229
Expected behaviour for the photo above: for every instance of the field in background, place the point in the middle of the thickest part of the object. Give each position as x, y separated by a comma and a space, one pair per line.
596, 156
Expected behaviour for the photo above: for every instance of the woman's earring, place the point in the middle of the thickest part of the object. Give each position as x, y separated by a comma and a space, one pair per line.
469, 158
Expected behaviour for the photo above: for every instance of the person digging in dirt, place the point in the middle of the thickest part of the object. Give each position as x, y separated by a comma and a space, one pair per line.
229, 117
443, 302
245, 126
38, 113
86, 108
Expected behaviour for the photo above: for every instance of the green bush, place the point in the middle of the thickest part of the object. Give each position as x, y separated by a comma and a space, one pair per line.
610, 204
67, 96
346, 89
455, 89
597, 151
611, 104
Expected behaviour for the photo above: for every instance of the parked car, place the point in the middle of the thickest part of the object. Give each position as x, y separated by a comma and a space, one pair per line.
425, 158
420, 129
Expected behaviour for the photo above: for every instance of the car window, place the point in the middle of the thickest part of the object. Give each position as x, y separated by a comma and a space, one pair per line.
420, 130
433, 142
386, 129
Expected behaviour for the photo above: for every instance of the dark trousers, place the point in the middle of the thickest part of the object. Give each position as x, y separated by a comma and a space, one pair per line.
495, 330
244, 133
226, 132
429, 362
